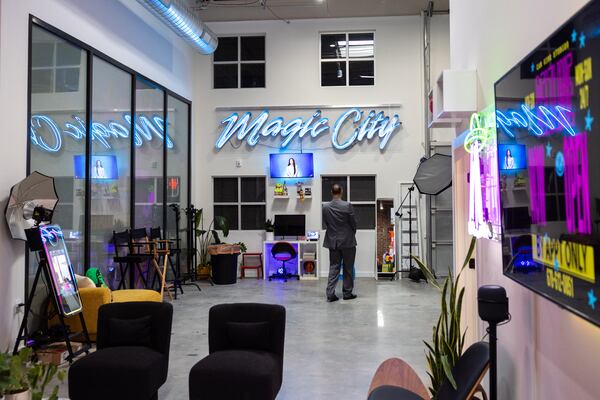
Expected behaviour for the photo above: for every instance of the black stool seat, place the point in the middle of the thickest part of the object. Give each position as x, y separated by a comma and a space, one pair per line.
387, 392
138, 374
257, 376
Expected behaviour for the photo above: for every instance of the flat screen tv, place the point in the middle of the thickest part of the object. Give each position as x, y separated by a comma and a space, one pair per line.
62, 278
103, 167
548, 122
291, 165
290, 225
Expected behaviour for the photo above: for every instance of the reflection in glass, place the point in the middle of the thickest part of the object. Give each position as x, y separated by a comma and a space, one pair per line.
225, 76
50, 112
333, 46
110, 163
253, 75
361, 45
333, 73
149, 102
227, 49
252, 48
361, 73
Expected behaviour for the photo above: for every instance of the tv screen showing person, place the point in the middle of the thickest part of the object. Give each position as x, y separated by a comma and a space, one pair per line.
297, 165
511, 157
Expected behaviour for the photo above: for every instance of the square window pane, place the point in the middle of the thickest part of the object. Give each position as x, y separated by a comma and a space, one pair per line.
230, 213
328, 181
362, 73
41, 81
362, 188
333, 45
67, 80
333, 73
253, 48
227, 50
42, 55
361, 45
253, 190
365, 216
67, 54
226, 190
253, 217
225, 76
253, 75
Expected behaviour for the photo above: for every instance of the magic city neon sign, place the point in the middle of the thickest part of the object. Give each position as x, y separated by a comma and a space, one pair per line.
253, 130
47, 135
550, 118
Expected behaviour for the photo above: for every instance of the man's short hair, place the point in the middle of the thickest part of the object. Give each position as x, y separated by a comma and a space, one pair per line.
336, 189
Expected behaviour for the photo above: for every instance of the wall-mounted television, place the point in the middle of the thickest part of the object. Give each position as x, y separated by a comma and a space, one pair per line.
291, 165
512, 157
290, 225
548, 124
103, 167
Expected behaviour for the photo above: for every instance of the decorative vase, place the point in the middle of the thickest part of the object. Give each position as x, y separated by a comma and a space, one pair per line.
269, 236
26, 395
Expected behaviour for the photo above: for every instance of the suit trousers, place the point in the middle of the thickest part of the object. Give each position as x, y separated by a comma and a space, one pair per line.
336, 257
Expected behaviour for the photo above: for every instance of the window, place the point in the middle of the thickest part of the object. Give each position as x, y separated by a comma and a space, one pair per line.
55, 64
242, 200
239, 62
360, 191
348, 59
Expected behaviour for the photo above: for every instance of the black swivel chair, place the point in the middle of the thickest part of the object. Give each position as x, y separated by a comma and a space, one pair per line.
132, 359
246, 344
284, 252
468, 372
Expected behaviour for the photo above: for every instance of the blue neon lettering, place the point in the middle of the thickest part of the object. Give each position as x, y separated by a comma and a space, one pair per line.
47, 135
552, 118
252, 130
339, 123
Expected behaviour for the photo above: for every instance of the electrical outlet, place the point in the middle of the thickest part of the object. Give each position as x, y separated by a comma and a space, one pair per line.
238, 163
472, 263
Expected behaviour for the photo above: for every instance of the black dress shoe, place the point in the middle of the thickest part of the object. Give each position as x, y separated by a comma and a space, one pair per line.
350, 297
332, 299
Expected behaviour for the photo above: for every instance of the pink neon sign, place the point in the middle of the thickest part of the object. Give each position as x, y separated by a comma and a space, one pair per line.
537, 189
577, 190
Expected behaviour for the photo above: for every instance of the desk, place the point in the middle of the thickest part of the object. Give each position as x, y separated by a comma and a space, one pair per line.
305, 265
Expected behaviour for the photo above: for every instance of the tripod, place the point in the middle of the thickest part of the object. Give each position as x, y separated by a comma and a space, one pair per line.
399, 215
23, 334
179, 281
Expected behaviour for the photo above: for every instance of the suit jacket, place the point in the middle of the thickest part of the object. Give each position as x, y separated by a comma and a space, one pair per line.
339, 221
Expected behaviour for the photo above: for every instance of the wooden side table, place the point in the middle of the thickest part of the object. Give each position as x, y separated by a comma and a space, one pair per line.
258, 267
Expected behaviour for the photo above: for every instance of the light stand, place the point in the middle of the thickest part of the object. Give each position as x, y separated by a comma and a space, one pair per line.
399, 215
179, 281
493, 308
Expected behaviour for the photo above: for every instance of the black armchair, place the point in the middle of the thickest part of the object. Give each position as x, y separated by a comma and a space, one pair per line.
132, 357
246, 344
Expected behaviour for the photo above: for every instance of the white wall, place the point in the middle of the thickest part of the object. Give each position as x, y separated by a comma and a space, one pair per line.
122, 30
292, 78
545, 352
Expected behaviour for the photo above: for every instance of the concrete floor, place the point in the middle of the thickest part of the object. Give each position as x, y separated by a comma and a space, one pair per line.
331, 349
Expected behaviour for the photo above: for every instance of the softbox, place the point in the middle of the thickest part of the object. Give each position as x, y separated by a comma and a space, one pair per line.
434, 174
28, 199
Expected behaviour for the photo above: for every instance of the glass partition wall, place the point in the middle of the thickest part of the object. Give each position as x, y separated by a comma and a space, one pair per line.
109, 180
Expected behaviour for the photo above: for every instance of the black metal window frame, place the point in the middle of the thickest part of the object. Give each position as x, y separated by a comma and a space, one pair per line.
239, 62
92, 52
239, 203
348, 178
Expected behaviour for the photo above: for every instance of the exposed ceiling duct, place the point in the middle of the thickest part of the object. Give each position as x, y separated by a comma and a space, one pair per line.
177, 16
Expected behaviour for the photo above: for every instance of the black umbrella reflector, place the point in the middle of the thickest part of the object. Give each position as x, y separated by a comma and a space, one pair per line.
434, 174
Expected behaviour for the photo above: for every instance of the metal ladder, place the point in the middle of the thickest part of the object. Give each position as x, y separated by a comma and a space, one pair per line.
405, 247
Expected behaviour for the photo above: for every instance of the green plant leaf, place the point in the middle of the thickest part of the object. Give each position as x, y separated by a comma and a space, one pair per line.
470, 252
216, 237
200, 232
198, 218
222, 224
448, 372
426, 271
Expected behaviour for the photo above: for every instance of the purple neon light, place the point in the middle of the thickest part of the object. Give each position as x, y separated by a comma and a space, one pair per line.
577, 190
537, 189
554, 87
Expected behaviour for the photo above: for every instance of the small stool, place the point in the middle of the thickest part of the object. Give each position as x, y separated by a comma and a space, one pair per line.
245, 266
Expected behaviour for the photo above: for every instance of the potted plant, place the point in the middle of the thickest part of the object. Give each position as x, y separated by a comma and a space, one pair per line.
23, 379
447, 341
204, 238
269, 230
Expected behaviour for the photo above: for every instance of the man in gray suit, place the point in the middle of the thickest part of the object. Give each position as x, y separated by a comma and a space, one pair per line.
340, 239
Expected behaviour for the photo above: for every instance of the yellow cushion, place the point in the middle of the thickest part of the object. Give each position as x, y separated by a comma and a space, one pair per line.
125, 295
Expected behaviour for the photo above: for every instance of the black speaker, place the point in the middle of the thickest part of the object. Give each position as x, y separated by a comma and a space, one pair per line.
492, 303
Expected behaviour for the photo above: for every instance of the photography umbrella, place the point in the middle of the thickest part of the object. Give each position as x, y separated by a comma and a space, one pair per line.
434, 174
31, 202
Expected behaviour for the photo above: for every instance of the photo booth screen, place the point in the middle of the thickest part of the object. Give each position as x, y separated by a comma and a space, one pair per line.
103, 167
292, 165
512, 157
548, 135
63, 281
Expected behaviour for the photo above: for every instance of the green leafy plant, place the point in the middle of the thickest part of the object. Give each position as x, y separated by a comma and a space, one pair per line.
19, 373
243, 247
447, 341
205, 237
269, 227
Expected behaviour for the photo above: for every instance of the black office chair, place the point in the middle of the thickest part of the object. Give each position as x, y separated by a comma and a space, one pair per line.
246, 343
284, 252
132, 359
468, 373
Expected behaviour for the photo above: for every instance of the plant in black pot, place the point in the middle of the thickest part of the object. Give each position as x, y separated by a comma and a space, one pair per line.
206, 237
